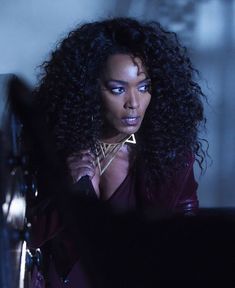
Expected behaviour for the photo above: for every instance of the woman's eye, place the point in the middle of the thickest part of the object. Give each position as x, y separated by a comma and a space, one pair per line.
117, 90
144, 88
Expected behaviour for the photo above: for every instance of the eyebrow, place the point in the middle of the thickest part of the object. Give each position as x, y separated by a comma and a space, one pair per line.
125, 83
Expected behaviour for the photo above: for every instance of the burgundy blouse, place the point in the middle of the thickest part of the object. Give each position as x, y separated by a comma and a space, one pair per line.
63, 262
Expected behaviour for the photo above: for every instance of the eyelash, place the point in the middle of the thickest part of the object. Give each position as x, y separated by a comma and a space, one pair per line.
120, 90
147, 88
117, 92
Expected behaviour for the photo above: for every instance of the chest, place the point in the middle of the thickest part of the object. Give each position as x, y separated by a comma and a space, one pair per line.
106, 184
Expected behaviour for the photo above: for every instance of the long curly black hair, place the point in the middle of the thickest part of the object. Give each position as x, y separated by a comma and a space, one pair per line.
69, 92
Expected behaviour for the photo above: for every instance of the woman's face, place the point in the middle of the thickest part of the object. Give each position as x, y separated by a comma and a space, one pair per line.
125, 88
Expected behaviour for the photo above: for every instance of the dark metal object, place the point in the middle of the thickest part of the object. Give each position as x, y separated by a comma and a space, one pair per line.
85, 187
15, 183
33, 259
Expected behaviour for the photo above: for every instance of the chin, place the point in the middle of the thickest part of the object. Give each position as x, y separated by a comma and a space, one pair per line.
129, 130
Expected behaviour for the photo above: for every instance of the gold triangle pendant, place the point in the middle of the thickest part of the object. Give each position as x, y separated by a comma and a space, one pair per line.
106, 152
131, 139
106, 149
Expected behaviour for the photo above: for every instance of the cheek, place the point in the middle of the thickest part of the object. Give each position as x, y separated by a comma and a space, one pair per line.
111, 108
112, 105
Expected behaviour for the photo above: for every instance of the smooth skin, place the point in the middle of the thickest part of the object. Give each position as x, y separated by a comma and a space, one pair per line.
125, 88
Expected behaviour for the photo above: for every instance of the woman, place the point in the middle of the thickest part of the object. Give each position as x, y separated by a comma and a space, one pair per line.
122, 106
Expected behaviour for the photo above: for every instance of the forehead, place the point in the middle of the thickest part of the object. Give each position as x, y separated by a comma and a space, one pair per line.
123, 66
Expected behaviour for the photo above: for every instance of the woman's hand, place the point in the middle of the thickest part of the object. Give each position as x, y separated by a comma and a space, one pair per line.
81, 164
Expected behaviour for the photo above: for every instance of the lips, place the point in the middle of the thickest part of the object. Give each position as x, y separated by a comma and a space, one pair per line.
131, 121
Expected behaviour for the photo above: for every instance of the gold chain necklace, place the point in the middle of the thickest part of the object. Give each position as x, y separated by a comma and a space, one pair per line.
106, 152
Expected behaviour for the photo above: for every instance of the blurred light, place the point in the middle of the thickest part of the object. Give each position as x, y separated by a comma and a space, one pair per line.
210, 25
15, 211
22, 265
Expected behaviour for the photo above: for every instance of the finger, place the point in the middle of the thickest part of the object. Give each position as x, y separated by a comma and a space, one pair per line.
87, 157
78, 174
83, 161
79, 164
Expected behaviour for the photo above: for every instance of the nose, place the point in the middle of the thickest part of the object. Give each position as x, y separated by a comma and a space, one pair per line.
132, 100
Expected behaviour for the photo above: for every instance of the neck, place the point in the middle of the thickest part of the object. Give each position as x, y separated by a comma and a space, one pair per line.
114, 138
